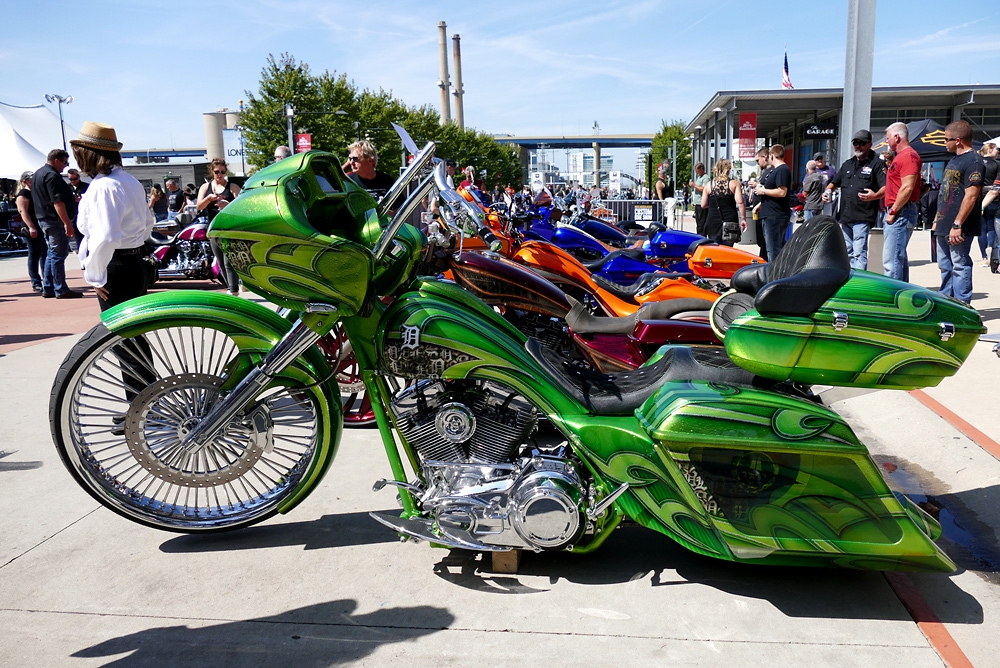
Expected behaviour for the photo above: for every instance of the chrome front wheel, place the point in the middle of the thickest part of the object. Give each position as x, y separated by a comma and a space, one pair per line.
120, 411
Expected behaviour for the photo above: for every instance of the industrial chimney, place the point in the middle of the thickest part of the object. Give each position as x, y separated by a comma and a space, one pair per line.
443, 82
459, 91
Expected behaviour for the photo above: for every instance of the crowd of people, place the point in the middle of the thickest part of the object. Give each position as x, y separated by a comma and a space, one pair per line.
869, 190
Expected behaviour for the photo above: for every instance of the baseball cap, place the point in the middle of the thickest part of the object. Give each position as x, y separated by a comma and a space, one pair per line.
819, 156
27, 175
863, 135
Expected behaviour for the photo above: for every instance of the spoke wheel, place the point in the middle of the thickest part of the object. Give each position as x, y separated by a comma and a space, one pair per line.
356, 404
121, 409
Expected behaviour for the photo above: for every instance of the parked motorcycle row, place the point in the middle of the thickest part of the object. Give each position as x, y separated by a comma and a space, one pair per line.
520, 405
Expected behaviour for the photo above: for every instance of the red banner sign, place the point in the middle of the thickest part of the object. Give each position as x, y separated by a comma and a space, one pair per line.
303, 143
748, 135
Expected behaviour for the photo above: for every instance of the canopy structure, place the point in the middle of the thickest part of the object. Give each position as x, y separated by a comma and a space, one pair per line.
27, 134
927, 139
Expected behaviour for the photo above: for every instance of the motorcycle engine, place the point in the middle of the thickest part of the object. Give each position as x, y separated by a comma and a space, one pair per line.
483, 484
463, 422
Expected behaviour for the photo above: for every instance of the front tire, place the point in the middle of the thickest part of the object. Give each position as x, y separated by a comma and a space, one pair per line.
120, 407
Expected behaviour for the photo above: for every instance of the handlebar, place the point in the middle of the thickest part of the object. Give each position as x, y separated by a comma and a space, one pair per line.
463, 211
411, 203
419, 162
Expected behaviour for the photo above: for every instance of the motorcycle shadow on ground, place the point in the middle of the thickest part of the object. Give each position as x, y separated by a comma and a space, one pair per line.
329, 531
324, 634
634, 553
631, 554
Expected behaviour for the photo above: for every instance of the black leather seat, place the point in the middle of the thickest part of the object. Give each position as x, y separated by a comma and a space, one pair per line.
621, 393
628, 292
581, 321
809, 270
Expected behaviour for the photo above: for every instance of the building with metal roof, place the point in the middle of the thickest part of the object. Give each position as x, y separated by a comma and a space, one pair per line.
807, 121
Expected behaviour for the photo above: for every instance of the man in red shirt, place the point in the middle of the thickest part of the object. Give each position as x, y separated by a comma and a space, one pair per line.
902, 193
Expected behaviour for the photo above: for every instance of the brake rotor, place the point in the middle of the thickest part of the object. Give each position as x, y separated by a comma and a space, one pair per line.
161, 416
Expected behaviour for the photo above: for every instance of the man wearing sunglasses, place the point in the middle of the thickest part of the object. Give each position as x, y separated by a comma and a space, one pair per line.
959, 216
360, 167
861, 180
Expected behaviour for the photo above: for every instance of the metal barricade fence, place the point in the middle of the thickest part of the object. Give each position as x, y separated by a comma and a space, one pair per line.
642, 211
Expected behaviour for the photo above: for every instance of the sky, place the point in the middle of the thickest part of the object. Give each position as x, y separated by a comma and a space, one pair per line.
152, 69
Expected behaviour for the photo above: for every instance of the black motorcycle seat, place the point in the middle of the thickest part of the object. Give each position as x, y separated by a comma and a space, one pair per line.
161, 239
653, 228
634, 253
810, 268
621, 393
581, 321
628, 292
699, 242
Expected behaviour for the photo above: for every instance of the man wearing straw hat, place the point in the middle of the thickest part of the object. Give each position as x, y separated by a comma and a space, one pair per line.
113, 217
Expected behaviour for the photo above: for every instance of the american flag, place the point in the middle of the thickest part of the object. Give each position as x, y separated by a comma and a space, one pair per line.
786, 81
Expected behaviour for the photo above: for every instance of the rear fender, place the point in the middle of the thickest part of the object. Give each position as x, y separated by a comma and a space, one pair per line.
255, 330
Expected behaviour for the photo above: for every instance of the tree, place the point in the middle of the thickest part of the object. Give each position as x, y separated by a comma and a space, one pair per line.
369, 114
263, 119
662, 144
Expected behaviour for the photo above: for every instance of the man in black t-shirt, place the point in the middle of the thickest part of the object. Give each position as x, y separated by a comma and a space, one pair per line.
775, 210
361, 162
861, 180
175, 199
55, 209
959, 214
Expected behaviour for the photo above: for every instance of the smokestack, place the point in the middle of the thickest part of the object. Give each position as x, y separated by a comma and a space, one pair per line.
215, 123
459, 92
443, 81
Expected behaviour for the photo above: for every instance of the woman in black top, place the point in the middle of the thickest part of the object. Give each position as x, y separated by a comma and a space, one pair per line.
213, 197
723, 202
37, 250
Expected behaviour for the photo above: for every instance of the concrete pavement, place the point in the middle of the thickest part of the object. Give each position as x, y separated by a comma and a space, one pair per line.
327, 586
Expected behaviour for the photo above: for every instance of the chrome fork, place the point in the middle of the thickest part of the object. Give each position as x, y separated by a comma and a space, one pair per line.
292, 345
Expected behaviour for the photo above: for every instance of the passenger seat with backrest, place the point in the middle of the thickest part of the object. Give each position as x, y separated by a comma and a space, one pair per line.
811, 267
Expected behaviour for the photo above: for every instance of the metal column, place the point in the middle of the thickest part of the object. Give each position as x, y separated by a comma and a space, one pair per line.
857, 112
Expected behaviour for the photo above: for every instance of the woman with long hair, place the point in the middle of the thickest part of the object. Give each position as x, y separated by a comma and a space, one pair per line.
723, 203
158, 202
213, 197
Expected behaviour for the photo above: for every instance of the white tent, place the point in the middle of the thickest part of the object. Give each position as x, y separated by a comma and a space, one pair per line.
995, 140
27, 134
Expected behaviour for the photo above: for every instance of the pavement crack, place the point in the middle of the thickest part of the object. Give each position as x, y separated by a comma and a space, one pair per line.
48, 538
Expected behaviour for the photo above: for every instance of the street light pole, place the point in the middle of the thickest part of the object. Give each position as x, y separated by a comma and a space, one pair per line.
60, 100
290, 114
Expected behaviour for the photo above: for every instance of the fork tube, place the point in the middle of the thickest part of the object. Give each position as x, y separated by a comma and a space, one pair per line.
377, 390
294, 343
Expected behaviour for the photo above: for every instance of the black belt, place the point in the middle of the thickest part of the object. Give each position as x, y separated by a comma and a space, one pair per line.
121, 252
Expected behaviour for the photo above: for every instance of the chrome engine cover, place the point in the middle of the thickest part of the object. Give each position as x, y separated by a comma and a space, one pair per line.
536, 503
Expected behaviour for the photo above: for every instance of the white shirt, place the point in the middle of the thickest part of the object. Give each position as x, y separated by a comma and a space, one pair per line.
113, 214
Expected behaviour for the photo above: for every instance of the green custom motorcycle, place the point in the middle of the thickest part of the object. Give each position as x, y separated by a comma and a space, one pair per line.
200, 412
